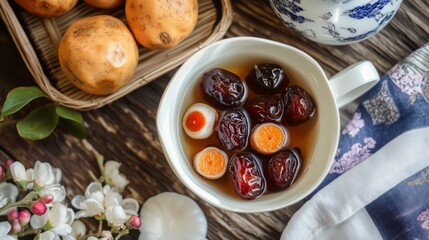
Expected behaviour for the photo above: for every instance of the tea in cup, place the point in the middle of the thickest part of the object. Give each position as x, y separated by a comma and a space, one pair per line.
317, 139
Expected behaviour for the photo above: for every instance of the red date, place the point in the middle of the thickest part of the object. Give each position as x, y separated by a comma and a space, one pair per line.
299, 106
282, 169
246, 175
223, 89
233, 129
266, 78
265, 109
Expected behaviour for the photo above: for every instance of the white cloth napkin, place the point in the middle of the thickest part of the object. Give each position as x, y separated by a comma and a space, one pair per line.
378, 186
338, 210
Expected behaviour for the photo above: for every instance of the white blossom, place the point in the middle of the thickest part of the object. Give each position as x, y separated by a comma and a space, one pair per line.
42, 174
99, 201
56, 220
55, 177
116, 215
115, 178
68, 237
3, 200
78, 229
5, 228
92, 204
131, 206
19, 173
48, 235
105, 235
8, 192
57, 191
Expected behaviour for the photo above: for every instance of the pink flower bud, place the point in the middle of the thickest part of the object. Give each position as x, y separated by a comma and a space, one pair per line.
24, 217
12, 215
16, 227
48, 198
134, 222
8, 163
2, 172
38, 207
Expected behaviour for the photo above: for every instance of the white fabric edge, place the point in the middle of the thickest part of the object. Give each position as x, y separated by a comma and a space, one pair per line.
361, 185
358, 227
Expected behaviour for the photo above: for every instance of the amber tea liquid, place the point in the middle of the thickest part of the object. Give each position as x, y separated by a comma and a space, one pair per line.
302, 136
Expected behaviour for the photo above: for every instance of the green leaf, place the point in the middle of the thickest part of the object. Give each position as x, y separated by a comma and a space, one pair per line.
18, 97
69, 114
39, 123
73, 128
72, 121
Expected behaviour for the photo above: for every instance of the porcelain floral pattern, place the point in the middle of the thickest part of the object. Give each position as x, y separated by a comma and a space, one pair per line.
336, 22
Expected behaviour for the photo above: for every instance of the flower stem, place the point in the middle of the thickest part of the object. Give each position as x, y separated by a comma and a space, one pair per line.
100, 161
29, 231
100, 228
92, 175
25, 202
120, 234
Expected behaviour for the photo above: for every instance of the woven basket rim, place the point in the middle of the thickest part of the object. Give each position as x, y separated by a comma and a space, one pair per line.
35, 67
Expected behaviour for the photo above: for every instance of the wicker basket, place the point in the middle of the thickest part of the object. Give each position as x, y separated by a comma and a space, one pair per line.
39, 49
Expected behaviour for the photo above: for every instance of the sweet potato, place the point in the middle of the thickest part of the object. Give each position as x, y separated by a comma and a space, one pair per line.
98, 54
161, 24
47, 8
105, 4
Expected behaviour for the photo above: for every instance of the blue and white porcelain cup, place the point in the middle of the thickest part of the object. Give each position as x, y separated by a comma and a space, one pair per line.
336, 22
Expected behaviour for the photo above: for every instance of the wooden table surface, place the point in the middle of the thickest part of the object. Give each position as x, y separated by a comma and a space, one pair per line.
125, 130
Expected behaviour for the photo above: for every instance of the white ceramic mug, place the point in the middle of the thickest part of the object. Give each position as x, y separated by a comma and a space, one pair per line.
329, 95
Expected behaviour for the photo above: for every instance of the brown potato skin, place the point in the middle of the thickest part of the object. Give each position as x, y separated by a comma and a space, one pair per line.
161, 24
105, 4
98, 54
47, 8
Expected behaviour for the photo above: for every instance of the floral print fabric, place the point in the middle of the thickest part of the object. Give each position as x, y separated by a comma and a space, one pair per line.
397, 104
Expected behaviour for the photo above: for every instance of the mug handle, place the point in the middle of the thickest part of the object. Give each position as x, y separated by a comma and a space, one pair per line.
352, 82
